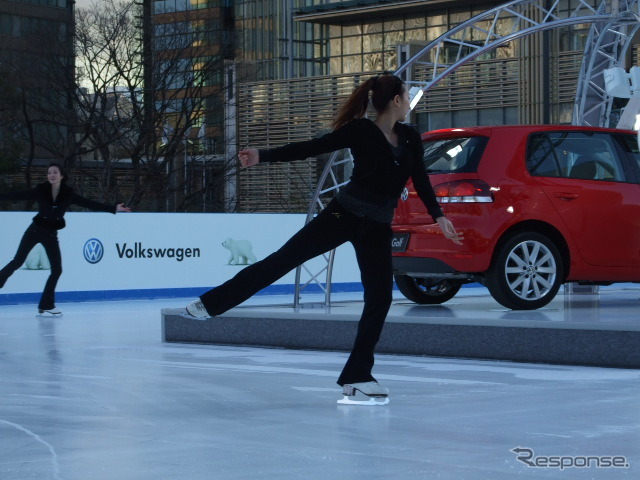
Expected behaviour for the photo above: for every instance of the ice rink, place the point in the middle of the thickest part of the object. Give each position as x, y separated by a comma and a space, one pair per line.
97, 395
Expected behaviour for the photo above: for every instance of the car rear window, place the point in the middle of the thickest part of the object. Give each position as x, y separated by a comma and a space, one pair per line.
580, 155
454, 155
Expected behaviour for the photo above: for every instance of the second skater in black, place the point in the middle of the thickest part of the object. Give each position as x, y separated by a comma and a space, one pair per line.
53, 197
386, 153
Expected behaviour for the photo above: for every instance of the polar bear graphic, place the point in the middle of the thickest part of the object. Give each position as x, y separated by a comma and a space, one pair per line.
37, 259
241, 252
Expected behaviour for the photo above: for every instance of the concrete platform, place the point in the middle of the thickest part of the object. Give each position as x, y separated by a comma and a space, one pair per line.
600, 329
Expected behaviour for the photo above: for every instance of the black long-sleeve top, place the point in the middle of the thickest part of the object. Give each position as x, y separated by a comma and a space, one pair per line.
51, 213
378, 176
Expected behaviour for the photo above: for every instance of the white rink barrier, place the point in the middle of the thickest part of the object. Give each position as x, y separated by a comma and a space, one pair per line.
147, 255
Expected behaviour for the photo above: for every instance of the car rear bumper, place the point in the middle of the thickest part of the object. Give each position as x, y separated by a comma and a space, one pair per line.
419, 267
412, 266
425, 247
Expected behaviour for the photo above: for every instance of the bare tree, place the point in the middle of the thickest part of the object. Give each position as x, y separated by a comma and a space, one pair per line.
148, 101
10, 144
132, 117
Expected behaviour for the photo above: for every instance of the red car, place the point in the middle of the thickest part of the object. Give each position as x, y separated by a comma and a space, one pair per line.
538, 205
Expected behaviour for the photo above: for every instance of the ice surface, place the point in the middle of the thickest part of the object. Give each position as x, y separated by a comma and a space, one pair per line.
96, 395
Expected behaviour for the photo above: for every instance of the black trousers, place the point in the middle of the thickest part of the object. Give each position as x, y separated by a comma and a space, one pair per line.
49, 240
329, 229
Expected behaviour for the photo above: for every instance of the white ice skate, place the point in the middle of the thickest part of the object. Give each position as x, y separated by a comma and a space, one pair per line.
196, 310
365, 393
52, 312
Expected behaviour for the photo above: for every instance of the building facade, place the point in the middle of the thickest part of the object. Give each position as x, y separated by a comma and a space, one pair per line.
262, 73
316, 58
36, 75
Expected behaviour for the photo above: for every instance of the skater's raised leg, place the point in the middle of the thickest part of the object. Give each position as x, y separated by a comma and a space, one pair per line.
331, 228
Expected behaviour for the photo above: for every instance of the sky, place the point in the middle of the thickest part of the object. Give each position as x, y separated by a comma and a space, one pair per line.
86, 3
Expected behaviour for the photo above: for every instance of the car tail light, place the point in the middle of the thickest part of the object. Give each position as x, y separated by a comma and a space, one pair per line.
464, 191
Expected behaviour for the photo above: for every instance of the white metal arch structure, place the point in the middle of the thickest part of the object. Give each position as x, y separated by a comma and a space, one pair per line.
608, 41
606, 47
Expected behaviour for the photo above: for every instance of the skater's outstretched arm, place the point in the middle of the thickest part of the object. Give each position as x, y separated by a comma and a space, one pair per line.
22, 195
249, 157
98, 206
344, 137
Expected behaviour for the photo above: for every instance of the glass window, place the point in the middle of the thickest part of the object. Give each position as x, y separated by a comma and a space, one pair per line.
49, 3
392, 39
394, 25
579, 155
372, 28
351, 30
175, 75
352, 64
168, 6
415, 23
434, 20
373, 62
454, 155
434, 32
390, 60
5, 24
541, 158
372, 43
573, 38
416, 35
459, 17
631, 145
335, 32
352, 45
335, 64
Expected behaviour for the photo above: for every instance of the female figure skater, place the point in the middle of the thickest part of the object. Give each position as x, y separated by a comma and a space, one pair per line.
385, 154
53, 197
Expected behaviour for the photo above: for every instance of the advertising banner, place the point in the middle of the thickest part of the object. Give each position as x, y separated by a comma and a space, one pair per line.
157, 254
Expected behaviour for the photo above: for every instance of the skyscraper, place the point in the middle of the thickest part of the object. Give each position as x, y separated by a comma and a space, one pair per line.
37, 71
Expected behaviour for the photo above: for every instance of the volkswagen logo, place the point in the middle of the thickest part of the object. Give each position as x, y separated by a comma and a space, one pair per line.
93, 250
405, 194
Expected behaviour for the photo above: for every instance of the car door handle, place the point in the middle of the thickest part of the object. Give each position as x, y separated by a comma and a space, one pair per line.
566, 196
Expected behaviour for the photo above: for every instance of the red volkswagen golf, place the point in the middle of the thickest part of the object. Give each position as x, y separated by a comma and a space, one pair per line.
538, 205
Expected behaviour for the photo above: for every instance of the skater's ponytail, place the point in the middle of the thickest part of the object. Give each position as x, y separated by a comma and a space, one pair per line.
381, 89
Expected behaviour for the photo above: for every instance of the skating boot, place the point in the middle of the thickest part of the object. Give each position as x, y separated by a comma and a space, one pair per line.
196, 310
51, 312
364, 393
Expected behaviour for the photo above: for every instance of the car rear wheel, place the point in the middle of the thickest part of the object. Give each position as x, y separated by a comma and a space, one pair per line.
425, 290
526, 273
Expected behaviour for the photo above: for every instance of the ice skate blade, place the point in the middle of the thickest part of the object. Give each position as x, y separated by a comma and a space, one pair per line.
371, 401
186, 314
